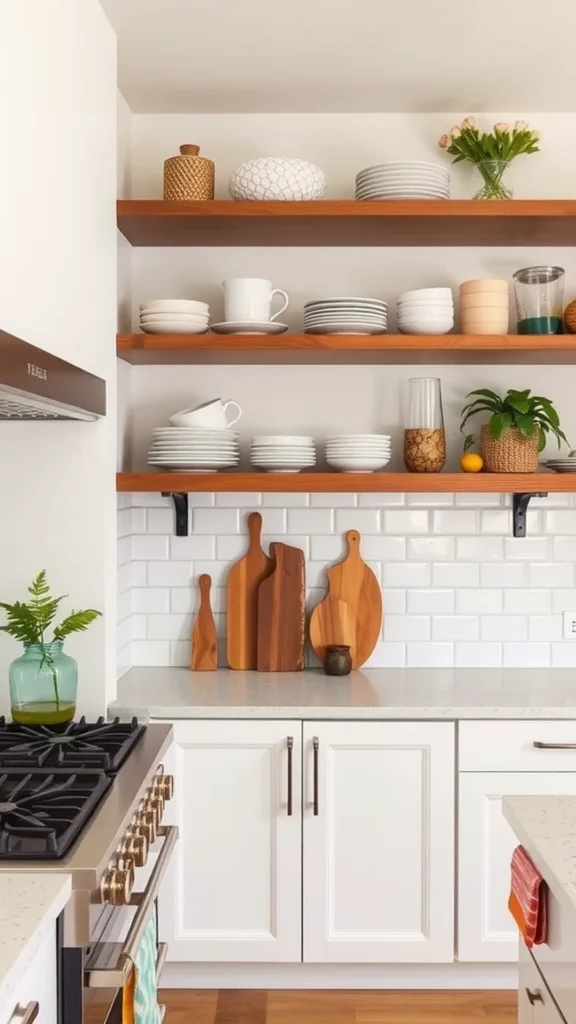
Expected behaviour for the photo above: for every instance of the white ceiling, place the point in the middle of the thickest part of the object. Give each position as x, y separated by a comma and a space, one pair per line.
239, 56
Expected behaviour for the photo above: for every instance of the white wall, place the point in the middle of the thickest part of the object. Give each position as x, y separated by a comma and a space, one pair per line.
58, 291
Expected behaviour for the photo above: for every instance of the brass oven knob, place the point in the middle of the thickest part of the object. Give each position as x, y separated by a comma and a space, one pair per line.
164, 785
157, 805
149, 821
116, 886
139, 827
135, 846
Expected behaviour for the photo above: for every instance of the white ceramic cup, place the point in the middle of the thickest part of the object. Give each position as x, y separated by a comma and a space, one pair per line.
250, 299
208, 416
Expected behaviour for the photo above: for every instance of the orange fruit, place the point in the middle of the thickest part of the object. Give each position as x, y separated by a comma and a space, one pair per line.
471, 462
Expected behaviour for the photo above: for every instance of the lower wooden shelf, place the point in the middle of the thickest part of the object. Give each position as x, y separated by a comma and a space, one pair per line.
379, 483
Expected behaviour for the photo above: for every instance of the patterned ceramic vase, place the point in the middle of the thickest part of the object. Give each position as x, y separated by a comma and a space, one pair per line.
277, 177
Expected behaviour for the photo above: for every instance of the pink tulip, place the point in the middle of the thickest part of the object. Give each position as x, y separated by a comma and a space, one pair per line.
469, 122
520, 126
501, 126
536, 136
444, 141
455, 132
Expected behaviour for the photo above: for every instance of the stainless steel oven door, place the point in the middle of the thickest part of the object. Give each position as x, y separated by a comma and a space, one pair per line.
111, 956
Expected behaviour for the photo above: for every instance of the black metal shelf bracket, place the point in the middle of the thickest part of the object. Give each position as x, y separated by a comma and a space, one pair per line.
520, 504
180, 500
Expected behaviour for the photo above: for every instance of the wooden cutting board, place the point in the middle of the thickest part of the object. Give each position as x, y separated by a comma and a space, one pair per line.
204, 646
281, 613
352, 583
244, 580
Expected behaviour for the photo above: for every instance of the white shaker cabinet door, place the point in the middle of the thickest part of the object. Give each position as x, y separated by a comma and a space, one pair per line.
486, 929
378, 842
233, 891
38, 985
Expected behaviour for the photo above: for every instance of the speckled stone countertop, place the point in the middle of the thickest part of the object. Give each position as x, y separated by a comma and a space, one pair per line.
377, 694
29, 906
546, 828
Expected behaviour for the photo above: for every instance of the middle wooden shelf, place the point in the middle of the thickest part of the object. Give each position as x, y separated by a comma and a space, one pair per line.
343, 348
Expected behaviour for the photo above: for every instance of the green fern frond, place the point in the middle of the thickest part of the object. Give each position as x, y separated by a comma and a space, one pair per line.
28, 622
76, 622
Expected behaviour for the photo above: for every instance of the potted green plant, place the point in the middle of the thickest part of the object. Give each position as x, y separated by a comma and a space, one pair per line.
490, 152
516, 431
43, 680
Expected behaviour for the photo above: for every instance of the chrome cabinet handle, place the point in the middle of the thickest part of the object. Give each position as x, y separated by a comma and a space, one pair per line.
25, 1014
554, 746
316, 745
534, 997
290, 750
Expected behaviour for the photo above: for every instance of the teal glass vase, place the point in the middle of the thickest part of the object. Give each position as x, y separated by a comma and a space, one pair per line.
43, 683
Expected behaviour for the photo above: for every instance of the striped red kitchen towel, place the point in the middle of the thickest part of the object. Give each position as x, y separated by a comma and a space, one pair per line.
528, 902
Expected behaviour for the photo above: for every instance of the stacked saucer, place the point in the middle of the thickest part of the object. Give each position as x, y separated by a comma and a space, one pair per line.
282, 453
426, 311
174, 316
346, 315
562, 465
187, 450
403, 179
358, 453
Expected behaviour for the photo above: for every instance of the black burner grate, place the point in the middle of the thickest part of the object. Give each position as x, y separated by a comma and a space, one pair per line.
42, 813
100, 745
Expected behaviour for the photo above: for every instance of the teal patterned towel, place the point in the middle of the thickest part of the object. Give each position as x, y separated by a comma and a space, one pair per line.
146, 993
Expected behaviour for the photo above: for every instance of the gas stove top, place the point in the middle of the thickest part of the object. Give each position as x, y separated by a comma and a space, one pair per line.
52, 779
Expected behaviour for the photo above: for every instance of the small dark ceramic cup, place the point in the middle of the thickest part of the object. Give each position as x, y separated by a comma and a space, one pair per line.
338, 661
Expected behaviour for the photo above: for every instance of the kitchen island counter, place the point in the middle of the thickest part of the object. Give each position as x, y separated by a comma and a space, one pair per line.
29, 907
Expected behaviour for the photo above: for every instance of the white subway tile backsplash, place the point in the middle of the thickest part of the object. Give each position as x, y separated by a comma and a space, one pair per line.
480, 601
124, 578
218, 571
428, 602
334, 500
215, 520
363, 519
190, 548
385, 549
180, 654
564, 548
395, 602
242, 500
149, 548
456, 574
552, 574
478, 655
201, 499
273, 521
478, 500
455, 521
479, 549
274, 500
455, 627
124, 550
381, 500
310, 520
503, 574
186, 600
139, 627
150, 599
528, 602
431, 549
150, 652
440, 500
231, 548
406, 627
406, 574
139, 573
528, 549
564, 655
124, 605
152, 500
139, 521
169, 574
504, 627
560, 521
387, 655
316, 574
407, 521
329, 549
545, 627
169, 627
429, 655
496, 520
159, 520
564, 601
123, 523
530, 655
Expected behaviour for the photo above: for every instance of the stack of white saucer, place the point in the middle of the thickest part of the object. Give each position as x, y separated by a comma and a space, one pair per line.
189, 450
346, 315
403, 179
358, 453
174, 316
426, 311
282, 453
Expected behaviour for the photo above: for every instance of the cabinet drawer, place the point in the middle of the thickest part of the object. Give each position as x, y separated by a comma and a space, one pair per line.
509, 746
556, 958
535, 1002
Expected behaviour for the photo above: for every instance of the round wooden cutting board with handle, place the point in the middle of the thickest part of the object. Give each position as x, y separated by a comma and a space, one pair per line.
244, 580
351, 612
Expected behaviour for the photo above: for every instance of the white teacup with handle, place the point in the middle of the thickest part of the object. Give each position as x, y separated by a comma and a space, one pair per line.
211, 415
249, 299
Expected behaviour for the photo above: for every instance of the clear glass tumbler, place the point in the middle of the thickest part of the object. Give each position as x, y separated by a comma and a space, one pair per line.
424, 436
539, 299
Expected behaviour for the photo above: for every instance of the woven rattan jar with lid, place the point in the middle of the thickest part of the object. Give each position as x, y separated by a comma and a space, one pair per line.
188, 176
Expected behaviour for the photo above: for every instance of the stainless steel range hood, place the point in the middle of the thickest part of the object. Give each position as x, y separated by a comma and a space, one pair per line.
37, 385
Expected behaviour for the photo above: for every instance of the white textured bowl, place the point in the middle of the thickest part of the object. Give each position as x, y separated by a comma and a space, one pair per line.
277, 177
440, 294
426, 327
357, 464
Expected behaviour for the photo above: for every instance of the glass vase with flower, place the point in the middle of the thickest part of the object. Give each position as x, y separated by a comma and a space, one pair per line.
490, 152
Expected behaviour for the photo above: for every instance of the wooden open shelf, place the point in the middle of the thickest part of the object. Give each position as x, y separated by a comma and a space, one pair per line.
315, 348
381, 483
396, 222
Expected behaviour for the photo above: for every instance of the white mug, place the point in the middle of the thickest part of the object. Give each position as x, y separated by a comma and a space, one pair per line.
208, 416
250, 298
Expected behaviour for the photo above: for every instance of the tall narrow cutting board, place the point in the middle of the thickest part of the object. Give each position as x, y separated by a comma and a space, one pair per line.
281, 613
244, 580
351, 613
204, 646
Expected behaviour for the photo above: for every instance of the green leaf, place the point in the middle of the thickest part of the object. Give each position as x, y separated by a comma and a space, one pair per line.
518, 401
28, 622
469, 442
486, 392
500, 424
76, 622
525, 424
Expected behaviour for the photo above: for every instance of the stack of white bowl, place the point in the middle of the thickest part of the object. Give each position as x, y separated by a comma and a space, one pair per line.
189, 450
358, 453
174, 316
403, 179
346, 315
282, 453
484, 307
426, 311
559, 464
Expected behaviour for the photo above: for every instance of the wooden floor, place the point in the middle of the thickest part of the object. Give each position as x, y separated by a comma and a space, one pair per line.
406, 1007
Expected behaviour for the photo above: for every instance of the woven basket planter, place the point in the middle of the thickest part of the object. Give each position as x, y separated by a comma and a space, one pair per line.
513, 453
188, 176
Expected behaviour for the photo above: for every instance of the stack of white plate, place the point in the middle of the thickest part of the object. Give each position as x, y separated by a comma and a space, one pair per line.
562, 465
187, 450
403, 179
426, 311
358, 453
174, 316
282, 453
346, 315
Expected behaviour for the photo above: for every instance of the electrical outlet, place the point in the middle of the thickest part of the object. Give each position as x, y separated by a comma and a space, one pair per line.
570, 625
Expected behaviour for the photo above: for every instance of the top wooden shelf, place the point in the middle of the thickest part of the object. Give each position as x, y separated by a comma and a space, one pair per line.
156, 222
